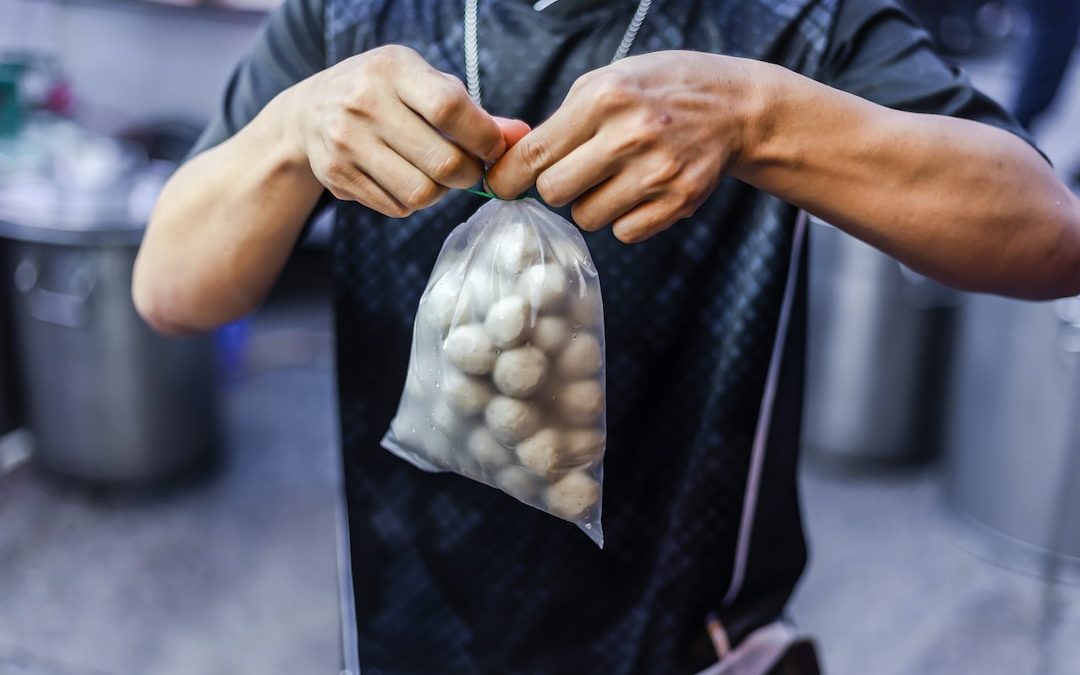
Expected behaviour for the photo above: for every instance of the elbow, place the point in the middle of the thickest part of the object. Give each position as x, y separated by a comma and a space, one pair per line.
1053, 270
156, 303
1066, 253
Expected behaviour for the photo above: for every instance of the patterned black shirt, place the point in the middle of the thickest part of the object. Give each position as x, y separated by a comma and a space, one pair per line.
704, 352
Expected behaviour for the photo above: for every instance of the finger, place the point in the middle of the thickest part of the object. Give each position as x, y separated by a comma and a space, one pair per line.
604, 204
347, 182
365, 190
411, 137
512, 130
442, 100
545, 145
644, 221
583, 169
407, 184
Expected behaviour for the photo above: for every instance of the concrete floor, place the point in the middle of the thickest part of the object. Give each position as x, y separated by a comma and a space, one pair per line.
233, 575
891, 591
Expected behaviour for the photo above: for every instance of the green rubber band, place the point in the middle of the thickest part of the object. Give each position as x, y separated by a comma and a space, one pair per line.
491, 195
494, 196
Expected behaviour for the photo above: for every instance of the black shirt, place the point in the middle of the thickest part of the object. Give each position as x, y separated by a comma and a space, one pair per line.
704, 327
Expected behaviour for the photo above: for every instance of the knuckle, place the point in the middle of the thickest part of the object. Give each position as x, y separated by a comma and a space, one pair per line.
668, 169
337, 172
448, 101
339, 136
627, 235
534, 151
362, 98
548, 187
690, 209
696, 193
584, 81
686, 206
584, 218
389, 56
338, 193
612, 91
449, 166
424, 194
394, 210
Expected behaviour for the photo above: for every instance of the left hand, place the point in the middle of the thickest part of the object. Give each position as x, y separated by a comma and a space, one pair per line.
638, 144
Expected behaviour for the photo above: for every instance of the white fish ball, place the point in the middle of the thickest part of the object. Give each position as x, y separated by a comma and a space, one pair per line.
507, 321
570, 253
516, 247
470, 349
481, 290
583, 446
516, 482
465, 394
520, 372
550, 333
572, 495
580, 403
511, 420
437, 450
543, 285
486, 449
441, 302
582, 357
584, 309
542, 453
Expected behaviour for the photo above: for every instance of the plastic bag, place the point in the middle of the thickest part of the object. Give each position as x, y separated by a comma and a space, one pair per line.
506, 379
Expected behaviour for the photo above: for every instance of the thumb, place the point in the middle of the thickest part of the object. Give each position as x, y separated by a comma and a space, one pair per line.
512, 130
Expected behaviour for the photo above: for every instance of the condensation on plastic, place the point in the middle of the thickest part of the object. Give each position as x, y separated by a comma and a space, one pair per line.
523, 411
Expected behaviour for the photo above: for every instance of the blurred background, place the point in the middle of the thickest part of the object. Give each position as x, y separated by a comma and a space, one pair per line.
172, 506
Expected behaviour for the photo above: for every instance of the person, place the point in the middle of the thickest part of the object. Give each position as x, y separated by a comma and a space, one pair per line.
689, 165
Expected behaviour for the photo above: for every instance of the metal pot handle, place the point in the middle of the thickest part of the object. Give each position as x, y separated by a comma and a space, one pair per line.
63, 309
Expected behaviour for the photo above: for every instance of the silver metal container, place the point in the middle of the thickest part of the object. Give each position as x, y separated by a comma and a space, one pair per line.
877, 347
1014, 434
106, 399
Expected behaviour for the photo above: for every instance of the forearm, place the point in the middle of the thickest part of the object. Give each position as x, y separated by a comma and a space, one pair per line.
223, 228
966, 203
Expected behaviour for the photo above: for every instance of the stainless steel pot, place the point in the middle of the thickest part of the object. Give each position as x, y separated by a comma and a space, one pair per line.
877, 347
1014, 434
106, 399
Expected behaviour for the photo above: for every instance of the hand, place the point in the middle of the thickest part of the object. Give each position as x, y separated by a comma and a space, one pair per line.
387, 130
639, 144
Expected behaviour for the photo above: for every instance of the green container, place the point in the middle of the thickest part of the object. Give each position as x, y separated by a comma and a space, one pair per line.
10, 106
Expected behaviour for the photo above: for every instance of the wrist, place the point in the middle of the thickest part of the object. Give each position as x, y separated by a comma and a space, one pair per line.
280, 126
763, 108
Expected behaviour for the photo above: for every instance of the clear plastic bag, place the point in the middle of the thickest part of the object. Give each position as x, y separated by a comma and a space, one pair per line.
506, 379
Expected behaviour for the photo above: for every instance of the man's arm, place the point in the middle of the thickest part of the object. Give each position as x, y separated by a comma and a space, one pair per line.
223, 228
966, 203
642, 143
382, 128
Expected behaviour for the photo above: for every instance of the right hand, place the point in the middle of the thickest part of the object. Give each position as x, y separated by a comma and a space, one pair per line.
387, 130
